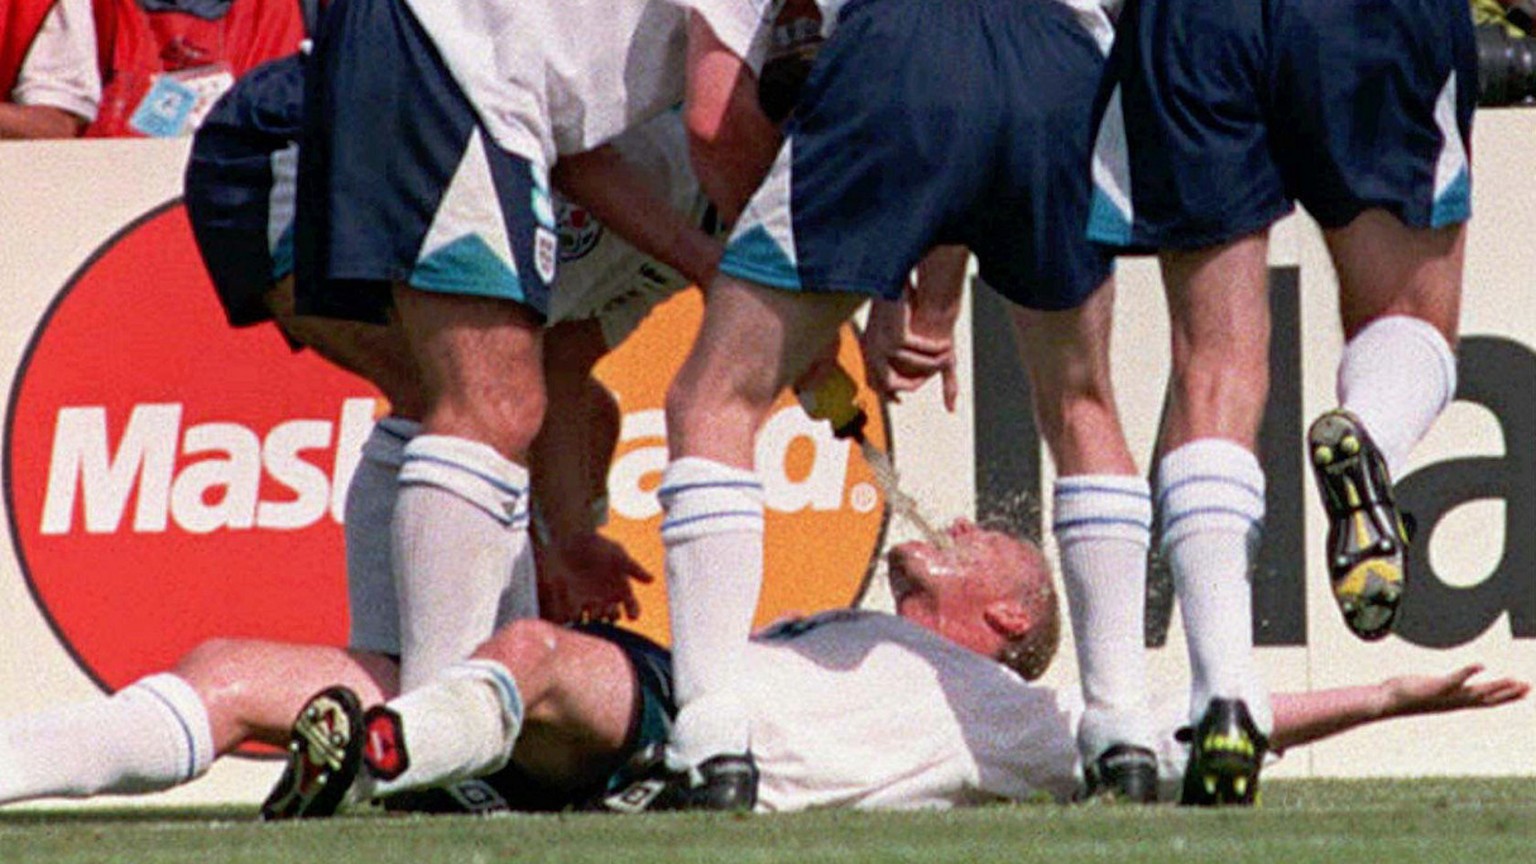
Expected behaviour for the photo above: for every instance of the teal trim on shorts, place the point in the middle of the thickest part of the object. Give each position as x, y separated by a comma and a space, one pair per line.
282, 254
468, 266
1106, 224
1454, 205
756, 257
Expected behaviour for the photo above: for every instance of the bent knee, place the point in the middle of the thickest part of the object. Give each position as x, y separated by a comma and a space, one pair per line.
217, 661
526, 640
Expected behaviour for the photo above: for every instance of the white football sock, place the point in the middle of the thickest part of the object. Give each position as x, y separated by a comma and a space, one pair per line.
1103, 526
521, 597
151, 735
713, 534
1397, 375
461, 525
373, 610
462, 725
1212, 497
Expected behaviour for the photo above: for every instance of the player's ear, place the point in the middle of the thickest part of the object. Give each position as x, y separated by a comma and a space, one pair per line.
1007, 618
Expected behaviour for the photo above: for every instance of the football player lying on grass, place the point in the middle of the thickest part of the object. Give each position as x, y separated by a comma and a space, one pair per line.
929, 707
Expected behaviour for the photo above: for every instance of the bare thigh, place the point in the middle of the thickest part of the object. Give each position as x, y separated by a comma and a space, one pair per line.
1218, 308
754, 341
579, 695
376, 353
481, 366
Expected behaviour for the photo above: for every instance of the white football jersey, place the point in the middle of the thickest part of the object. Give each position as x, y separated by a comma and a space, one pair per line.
551, 77
862, 709
853, 708
600, 274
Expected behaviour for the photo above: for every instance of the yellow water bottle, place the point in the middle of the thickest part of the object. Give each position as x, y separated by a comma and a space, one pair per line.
827, 392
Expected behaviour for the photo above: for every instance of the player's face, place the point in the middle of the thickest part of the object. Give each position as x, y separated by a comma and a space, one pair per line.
948, 588
972, 556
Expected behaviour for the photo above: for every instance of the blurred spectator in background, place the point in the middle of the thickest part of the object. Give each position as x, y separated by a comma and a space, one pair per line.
47, 68
165, 62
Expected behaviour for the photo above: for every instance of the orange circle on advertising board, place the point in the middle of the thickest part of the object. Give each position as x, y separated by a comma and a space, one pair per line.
171, 480
826, 513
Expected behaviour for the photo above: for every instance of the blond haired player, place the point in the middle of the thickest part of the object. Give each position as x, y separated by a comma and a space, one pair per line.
930, 707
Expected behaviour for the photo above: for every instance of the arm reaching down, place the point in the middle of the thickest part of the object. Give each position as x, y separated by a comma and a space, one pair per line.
623, 198
582, 575
910, 340
733, 143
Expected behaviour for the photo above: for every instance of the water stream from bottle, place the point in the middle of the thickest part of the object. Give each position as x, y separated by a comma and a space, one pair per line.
900, 502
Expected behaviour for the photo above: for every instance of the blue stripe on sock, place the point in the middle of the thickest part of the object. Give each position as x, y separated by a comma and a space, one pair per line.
501, 516
1210, 478
1070, 492
724, 514
392, 433
1068, 524
720, 484
506, 686
1211, 511
495, 482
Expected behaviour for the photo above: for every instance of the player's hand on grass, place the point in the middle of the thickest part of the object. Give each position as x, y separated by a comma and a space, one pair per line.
589, 577
1429, 694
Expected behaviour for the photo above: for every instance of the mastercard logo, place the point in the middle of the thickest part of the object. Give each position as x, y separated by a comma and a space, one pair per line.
171, 480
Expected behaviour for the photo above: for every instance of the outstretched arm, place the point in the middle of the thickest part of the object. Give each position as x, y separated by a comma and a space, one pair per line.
1301, 718
582, 574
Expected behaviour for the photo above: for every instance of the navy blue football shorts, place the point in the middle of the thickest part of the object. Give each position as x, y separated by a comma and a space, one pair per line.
926, 123
1221, 114
400, 182
239, 186
512, 789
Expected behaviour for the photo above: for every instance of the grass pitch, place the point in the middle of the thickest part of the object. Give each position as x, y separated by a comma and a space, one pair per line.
1397, 821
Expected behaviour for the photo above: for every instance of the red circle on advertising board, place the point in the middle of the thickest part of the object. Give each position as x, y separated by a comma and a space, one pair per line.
143, 431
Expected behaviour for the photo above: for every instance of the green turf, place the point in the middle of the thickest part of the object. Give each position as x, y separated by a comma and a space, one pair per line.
1477, 821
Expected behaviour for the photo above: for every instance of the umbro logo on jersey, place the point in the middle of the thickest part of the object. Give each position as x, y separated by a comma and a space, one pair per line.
545, 254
